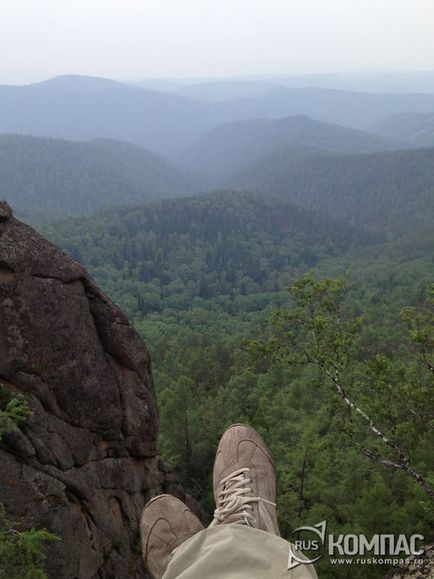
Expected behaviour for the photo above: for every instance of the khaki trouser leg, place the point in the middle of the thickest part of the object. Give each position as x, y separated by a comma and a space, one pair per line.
236, 552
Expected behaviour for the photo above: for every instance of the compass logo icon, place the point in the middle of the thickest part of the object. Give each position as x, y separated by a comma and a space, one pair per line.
294, 558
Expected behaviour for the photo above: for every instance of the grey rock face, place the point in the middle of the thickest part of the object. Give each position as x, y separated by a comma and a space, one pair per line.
84, 464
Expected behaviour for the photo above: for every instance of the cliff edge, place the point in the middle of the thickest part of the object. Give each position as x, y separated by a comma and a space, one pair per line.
84, 464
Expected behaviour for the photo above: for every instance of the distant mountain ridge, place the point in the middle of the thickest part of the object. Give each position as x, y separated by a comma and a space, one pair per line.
53, 176
239, 86
386, 81
231, 147
80, 83
416, 128
169, 123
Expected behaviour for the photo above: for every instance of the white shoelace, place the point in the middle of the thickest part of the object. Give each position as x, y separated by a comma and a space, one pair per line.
234, 499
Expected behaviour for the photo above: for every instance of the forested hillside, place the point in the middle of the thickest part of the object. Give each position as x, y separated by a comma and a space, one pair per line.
179, 253
416, 129
216, 213
230, 147
56, 177
199, 277
383, 192
203, 278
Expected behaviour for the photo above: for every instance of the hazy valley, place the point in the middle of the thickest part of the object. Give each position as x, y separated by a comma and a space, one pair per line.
195, 205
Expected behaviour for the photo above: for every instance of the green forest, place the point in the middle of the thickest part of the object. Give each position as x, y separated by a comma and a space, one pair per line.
53, 177
216, 214
205, 281
385, 192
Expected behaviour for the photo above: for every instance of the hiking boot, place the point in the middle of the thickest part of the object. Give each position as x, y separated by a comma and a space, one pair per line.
244, 481
166, 523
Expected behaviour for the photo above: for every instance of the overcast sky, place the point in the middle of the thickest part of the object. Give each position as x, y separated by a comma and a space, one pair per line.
132, 39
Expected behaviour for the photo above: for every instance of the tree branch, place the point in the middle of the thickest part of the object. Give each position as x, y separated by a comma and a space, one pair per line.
404, 463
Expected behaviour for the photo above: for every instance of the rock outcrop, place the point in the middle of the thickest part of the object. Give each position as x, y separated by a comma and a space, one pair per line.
84, 463
417, 567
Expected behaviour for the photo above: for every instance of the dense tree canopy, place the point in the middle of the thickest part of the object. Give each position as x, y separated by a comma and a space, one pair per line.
382, 192
40, 176
200, 278
226, 247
